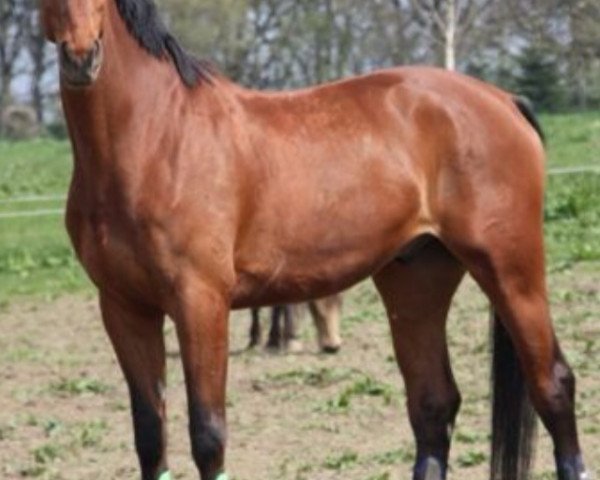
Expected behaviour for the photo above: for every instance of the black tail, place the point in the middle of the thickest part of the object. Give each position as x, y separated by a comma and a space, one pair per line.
526, 109
513, 418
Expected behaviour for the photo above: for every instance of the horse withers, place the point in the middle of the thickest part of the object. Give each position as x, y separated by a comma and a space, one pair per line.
191, 195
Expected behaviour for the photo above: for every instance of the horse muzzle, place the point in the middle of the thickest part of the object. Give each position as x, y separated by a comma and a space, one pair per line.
80, 70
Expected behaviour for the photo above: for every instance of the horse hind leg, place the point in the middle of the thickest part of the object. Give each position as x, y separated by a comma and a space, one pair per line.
417, 294
291, 339
275, 333
255, 329
508, 263
326, 313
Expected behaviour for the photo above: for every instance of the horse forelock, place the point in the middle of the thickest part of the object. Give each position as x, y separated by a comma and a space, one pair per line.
144, 23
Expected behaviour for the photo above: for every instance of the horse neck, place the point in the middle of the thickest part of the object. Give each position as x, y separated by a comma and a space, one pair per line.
104, 120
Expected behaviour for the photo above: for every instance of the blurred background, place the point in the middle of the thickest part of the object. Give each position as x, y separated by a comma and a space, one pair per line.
548, 50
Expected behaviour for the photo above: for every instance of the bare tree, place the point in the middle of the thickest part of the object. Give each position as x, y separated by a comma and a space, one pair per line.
289, 43
41, 56
12, 14
584, 52
448, 23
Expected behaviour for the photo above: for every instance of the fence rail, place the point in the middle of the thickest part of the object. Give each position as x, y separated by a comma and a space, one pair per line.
574, 170
32, 199
32, 213
62, 198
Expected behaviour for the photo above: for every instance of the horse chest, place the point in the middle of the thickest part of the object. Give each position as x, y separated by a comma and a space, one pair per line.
113, 259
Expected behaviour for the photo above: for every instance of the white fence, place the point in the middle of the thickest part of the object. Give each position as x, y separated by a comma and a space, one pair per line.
61, 198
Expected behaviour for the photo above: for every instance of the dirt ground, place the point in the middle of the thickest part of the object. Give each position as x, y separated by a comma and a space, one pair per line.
64, 411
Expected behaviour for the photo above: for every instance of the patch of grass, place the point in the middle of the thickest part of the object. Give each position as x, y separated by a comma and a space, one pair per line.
47, 453
36, 258
342, 461
65, 440
471, 458
572, 218
22, 353
394, 457
572, 139
78, 386
52, 427
380, 476
364, 386
34, 167
469, 437
364, 306
6, 430
90, 434
321, 377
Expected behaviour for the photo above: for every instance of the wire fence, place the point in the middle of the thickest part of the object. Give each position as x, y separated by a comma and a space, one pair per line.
61, 198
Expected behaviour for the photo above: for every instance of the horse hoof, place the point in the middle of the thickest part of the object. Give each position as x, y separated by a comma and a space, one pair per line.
330, 349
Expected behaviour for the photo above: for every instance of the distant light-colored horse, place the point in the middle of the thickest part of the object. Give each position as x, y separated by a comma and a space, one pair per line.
325, 313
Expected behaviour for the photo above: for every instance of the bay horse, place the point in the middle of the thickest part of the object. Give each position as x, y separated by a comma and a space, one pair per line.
192, 195
325, 313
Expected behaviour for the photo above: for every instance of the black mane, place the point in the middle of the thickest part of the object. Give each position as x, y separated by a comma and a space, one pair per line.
145, 25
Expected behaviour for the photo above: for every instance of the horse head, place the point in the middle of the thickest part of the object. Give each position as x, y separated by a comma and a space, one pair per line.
76, 27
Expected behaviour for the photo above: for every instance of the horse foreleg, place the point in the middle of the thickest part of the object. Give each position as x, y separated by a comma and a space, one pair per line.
201, 320
417, 296
137, 337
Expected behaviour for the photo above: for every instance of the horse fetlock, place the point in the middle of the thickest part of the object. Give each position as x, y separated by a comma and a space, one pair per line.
430, 468
207, 444
207, 435
149, 435
572, 468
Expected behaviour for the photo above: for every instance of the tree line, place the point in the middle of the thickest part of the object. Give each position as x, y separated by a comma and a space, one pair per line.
547, 50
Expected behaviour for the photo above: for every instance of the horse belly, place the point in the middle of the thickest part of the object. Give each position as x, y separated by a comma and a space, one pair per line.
285, 283
313, 251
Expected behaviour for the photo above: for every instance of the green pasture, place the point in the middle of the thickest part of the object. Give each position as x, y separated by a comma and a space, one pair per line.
36, 259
